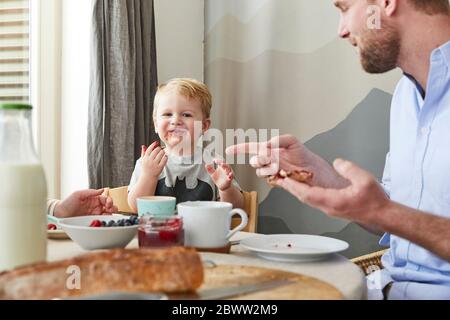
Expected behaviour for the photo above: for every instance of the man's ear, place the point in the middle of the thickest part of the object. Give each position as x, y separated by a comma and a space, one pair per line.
206, 124
389, 7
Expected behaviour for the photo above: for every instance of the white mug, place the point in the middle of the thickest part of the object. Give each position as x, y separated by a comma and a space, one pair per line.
207, 223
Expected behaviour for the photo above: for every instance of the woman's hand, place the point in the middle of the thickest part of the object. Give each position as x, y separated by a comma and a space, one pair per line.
85, 202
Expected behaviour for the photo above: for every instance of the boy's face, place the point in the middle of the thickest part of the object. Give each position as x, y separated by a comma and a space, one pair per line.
175, 120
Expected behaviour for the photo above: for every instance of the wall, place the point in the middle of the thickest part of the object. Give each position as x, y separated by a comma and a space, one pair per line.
179, 35
179, 38
279, 64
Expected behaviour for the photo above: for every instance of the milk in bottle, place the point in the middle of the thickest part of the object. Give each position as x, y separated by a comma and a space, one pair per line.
23, 191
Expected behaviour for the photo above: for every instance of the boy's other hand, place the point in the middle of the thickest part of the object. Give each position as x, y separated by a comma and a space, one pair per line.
222, 175
154, 159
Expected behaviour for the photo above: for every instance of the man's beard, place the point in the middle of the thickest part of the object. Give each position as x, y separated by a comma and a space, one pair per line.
380, 49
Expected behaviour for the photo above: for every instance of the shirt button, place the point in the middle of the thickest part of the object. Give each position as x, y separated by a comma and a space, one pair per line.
425, 130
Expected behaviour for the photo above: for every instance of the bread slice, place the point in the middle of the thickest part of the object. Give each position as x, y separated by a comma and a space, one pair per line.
171, 270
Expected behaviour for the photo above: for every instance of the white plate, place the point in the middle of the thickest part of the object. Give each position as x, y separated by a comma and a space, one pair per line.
293, 247
58, 233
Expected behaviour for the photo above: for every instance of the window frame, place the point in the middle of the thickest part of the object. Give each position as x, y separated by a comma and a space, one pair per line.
45, 87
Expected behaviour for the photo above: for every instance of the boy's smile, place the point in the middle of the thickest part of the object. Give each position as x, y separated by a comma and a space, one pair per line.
177, 131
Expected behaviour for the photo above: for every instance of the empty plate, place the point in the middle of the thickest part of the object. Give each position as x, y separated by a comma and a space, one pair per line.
293, 247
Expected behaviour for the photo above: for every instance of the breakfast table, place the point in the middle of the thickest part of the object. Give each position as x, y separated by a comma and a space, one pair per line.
336, 271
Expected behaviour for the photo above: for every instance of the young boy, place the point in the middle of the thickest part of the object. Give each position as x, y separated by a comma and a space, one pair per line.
179, 169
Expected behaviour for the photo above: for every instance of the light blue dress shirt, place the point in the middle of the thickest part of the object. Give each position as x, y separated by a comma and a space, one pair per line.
417, 174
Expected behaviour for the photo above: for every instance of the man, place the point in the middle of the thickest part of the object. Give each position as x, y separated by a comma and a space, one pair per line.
413, 206
82, 202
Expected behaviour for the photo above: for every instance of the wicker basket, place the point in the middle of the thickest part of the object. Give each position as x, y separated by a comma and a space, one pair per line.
370, 262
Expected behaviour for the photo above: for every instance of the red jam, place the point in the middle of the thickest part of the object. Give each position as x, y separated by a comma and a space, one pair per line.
161, 232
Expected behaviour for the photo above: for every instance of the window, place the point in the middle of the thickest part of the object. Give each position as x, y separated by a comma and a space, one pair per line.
30, 72
15, 50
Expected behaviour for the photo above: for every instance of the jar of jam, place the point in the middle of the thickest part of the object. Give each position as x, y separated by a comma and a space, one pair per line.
160, 231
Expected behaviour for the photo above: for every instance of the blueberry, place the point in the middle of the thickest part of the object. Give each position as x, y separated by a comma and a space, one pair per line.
121, 223
127, 223
103, 223
111, 223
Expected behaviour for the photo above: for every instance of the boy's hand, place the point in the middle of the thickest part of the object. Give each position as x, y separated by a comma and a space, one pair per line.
222, 176
154, 159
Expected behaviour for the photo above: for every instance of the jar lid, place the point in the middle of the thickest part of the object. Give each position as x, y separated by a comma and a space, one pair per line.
15, 106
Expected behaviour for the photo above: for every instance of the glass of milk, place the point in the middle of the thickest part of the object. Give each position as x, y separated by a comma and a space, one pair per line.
23, 194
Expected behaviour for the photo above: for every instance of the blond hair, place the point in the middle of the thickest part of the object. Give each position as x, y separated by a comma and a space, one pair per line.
188, 88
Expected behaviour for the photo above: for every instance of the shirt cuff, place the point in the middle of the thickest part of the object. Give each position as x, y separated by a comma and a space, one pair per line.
385, 240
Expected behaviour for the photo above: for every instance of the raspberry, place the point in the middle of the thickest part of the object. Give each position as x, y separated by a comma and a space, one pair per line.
96, 223
51, 226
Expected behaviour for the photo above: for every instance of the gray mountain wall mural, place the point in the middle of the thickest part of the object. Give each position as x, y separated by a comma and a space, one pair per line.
278, 64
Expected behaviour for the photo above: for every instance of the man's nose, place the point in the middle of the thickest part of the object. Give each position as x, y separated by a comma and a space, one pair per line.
342, 30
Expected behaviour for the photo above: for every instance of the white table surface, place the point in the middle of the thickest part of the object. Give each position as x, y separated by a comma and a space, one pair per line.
337, 270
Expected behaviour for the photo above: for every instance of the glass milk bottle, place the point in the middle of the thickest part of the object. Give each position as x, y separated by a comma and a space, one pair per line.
23, 191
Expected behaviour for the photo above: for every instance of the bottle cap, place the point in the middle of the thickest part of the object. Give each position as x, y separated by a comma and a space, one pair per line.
15, 106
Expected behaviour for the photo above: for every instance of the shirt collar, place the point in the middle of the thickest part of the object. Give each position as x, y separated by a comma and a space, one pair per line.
443, 51
440, 53
417, 84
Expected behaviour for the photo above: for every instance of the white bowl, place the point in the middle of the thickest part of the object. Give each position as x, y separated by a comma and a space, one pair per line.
91, 238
